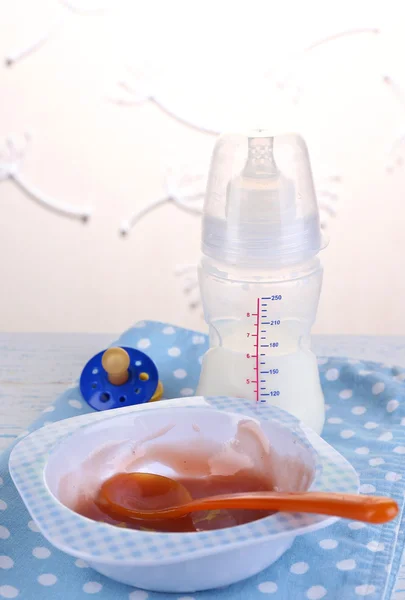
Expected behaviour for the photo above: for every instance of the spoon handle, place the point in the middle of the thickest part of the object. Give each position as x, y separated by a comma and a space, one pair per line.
372, 509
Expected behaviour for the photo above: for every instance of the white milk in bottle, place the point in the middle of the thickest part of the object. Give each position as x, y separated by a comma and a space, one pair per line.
260, 276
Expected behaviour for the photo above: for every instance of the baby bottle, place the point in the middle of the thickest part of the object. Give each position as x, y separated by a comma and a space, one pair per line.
260, 276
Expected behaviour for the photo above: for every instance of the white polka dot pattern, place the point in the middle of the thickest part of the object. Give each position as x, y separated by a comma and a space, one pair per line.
180, 373
33, 526
378, 388
169, 330
8, 591
174, 351
328, 544
299, 568
332, 374
385, 437
6, 562
143, 344
392, 405
41, 552
81, 564
375, 546
356, 525
47, 579
187, 391
316, 592
92, 587
365, 590
347, 433
363, 450
75, 403
346, 565
376, 462
267, 587
358, 410
346, 394
367, 488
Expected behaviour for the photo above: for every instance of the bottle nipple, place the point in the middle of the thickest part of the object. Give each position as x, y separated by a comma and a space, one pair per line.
260, 161
257, 196
116, 362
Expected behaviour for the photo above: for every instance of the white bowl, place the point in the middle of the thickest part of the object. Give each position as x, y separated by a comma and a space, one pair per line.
174, 562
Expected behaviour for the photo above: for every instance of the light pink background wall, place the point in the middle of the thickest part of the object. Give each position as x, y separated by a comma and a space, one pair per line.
59, 275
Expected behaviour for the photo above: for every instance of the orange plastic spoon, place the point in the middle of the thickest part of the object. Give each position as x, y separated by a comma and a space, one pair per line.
145, 496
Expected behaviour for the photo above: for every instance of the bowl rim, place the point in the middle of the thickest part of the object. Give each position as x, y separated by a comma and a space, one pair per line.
106, 544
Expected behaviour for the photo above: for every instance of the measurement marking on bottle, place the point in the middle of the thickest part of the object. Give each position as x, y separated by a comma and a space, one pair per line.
257, 357
262, 358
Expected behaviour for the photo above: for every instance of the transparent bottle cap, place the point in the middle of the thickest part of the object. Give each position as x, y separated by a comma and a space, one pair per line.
260, 207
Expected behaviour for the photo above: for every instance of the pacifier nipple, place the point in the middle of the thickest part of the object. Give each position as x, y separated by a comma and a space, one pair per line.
116, 361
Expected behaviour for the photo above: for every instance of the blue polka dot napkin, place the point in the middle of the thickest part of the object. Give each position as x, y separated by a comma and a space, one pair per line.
365, 421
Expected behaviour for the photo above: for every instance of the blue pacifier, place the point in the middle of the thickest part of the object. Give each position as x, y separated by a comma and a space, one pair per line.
118, 377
